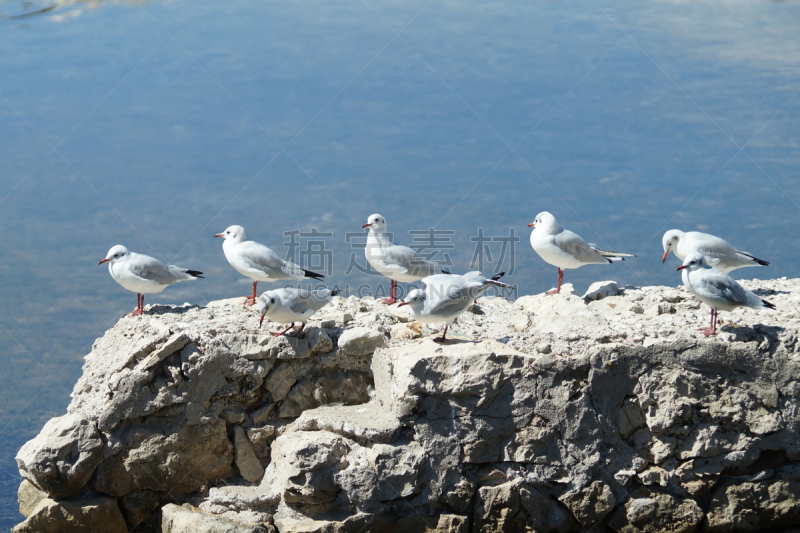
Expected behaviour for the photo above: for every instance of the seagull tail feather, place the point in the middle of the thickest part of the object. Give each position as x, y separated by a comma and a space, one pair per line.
768, 305
195, 273
756, 259
310, 274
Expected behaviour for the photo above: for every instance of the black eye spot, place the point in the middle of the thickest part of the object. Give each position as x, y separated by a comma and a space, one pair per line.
272, 300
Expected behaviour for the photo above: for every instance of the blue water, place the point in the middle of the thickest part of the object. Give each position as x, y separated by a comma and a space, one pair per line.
158, 125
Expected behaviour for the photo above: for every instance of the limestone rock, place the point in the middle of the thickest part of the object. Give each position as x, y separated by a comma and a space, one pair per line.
183, 458
187, 519
28, 497
246, 461
601, 289
595, 416
305, 464
757, 506
591, 503
653, 512
361, 341
62, 458
98, 515
515, 506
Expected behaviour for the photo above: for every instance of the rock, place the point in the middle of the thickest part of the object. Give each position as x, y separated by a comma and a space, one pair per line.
246, 461
521, 323
403, 332
601, 289
187, 519
757, 506
140, 505
515, 506
596, 416
183, 457
305, 464
98, 515
591, 503
360, 341
654, 476
62, 458
28, 497
653, 512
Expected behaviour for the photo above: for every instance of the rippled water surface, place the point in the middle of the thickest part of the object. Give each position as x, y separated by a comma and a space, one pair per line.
157, 125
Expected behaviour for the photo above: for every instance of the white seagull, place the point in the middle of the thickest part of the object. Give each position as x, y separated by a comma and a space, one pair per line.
448, 295
288, 305
398, 263
143, 274
258, 262
717, 290
718, 253
564, 249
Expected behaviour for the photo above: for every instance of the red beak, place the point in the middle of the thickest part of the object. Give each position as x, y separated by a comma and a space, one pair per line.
366, 225
664, 259
681, 267
401, 304
219, 235
531, 225
103, 261
260, 320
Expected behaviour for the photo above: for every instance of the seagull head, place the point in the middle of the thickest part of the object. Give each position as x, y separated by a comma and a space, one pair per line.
376, 223
694, 261
670, 242
234, 233
116, 253
545, 222
414, 299
265, 303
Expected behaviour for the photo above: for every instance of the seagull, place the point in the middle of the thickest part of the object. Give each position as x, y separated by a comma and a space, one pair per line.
447, 295
564, 249
258, 262
717, 290
718, 253
398, 263
290, 305
143, 274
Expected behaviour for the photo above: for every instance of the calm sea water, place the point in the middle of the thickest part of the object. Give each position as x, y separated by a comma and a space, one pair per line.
158, 125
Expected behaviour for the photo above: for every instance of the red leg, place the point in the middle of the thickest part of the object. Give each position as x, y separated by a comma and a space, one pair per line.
711, 330
139, 305
442, 338
297, 333
276, 334
392, 294
560, 279
250, 300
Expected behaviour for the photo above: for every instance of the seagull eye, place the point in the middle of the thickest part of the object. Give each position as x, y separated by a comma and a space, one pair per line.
272, 300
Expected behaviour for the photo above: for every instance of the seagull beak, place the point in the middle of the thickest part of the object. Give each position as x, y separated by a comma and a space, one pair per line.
103, 261
366, 225
219, 235
260, 320
531, 225
664, 259
401, 304
681, 267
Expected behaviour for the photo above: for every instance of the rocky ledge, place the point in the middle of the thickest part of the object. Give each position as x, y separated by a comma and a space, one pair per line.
607, 412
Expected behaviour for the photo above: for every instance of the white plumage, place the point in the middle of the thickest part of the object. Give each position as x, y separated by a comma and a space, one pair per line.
257, 261
446, 296
143, 274
564, 249
718, 253
716, 289
289, 305
398, 263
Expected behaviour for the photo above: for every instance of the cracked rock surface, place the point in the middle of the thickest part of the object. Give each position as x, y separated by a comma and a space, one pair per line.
561, 413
